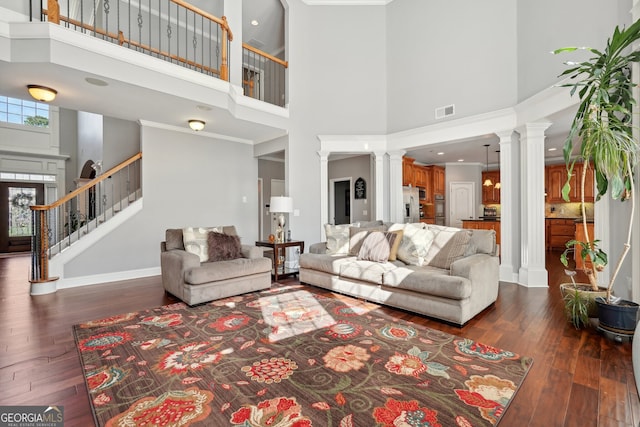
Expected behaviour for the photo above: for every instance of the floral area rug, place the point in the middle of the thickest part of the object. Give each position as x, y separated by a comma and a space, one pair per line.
289, 357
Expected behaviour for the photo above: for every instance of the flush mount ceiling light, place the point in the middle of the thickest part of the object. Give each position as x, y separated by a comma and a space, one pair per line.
255, 22
196, 124
42, 93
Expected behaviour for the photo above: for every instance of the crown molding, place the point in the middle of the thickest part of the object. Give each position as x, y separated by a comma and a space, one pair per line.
347, 2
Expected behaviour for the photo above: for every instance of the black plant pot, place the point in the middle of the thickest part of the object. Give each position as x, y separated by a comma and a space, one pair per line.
621, 317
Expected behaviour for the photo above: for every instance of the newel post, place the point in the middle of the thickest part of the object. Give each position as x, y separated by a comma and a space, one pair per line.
41, 283
53, 11
224, 66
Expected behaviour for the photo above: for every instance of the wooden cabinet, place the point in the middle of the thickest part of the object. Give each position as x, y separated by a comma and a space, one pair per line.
579, 233
483, 225
407, 171
556, 177
490, 194
420, 176
438, 180
559, 231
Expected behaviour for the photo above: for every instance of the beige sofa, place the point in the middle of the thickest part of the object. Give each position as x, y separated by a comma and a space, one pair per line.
194, 281
442, 282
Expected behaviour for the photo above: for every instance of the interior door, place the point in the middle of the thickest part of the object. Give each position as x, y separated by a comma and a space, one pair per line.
342, 202
462, 202
15, 215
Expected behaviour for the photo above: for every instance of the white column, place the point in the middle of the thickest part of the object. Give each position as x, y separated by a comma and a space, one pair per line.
324, 191
395, 186
378, 158
532, 272
509, 208
233, 13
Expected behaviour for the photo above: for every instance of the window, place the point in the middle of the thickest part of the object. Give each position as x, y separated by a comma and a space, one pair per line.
9, 176
21, 112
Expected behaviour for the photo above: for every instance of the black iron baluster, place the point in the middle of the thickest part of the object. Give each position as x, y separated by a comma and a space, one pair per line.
169, 30
140, 23
195, 44
106, 7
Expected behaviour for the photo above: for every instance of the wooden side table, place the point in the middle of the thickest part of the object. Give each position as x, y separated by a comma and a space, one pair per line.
280, 249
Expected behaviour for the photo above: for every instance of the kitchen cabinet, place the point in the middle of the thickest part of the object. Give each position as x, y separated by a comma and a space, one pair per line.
579, 233
419, 176
407, 171
559, 231
438, 180
490, 194
483, 225
556, 177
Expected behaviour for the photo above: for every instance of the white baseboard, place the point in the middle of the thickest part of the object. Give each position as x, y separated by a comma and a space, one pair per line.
74, 282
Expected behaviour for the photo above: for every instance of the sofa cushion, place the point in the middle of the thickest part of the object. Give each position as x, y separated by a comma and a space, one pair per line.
173, 239
376, 246
326, 263
223, 247
448, 246
428, 280
337, 238
222, 270
367, 271
357, 236
482, 242
393, 251
415, 243
195, 241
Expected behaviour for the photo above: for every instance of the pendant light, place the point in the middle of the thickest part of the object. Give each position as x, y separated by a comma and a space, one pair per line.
487, 182
497, 186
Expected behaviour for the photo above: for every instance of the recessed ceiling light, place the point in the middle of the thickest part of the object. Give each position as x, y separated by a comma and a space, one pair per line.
441, 153
552, 149
96, 82
461, 160
255, 22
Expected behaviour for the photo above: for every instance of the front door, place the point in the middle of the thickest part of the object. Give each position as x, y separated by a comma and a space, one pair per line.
15, 215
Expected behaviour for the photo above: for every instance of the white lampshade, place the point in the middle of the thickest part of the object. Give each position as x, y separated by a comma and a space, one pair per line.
281, 204
196, 124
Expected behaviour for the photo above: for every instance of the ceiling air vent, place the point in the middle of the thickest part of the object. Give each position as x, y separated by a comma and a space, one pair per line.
446, 111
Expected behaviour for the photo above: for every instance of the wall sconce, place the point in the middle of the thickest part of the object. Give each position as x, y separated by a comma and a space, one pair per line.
196, 125
42, 93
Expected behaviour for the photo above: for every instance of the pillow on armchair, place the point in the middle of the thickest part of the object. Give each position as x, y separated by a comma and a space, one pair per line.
222, 247
195, 241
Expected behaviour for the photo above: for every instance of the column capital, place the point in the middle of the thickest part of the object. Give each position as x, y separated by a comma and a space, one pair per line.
324, 155
395, 155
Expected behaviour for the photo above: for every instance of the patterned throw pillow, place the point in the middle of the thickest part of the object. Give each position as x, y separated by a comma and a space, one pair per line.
195, 241
377, 246
393, 252
448, 246
223, 247
415, 244
357, 236
337, 238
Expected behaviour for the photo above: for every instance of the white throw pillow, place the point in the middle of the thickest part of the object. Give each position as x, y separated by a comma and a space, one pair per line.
415, 244
195, 240
338, 238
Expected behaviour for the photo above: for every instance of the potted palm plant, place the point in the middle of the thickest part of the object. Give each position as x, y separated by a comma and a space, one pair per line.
602, 130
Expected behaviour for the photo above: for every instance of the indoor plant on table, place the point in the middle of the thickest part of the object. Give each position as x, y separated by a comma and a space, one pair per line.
603, 130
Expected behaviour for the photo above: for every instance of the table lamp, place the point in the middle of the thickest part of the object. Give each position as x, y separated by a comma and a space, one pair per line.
281, 205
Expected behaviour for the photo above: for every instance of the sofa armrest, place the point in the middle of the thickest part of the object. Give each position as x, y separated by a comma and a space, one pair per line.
173, 265
318, 248
482, 268
251, 251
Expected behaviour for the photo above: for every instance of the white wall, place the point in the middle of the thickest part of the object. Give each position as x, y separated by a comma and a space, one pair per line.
337, 86
547, 25
121, 141
90, 139
188, 180
354, 168
449, 52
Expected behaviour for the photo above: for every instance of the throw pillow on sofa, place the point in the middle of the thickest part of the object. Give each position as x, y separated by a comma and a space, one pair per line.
377, 246
195, 241
357, 236
222, 247
448, 246
338, 238
415, 244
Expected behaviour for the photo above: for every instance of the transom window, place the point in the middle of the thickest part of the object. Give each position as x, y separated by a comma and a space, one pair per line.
22, 112
34, 177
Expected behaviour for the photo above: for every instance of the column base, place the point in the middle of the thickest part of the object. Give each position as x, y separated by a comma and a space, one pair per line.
533, 278
44, 287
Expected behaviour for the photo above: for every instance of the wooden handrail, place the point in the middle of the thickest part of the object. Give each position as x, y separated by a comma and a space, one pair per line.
88, 185
285, 64
220, 21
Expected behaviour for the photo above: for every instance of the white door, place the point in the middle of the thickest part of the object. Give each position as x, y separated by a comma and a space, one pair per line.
277, 189
462, 202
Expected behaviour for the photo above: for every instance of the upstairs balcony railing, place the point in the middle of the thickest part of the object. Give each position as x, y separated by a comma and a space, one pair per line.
58, 225
172, 30
263, 75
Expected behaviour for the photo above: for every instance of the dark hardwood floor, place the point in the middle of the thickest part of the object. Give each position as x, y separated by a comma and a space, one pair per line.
579, 378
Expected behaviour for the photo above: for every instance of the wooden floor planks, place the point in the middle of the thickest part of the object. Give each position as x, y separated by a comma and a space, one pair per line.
579, 378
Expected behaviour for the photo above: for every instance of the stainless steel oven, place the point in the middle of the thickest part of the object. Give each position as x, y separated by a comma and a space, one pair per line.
439, 209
